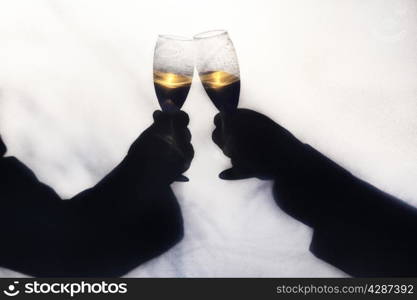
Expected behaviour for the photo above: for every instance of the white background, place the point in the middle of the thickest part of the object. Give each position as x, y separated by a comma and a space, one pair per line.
76, 89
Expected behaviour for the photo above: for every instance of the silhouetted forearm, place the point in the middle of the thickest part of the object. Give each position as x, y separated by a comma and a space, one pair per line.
357, 228
30, 221
105, 231
127, 218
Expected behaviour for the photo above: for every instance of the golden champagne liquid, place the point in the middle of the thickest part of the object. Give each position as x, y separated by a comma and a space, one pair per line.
223, 89
171, 89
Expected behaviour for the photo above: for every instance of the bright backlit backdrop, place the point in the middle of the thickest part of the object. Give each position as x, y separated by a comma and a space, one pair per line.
76, 89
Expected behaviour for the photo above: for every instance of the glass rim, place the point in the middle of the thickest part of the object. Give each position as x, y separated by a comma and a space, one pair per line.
175, 37
210, 34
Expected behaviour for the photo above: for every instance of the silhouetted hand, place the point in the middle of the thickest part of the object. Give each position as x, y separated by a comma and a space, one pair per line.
257, 146
163, 151
133, 204
3, 148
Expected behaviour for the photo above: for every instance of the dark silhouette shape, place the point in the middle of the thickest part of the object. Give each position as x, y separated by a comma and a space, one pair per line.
129, 217
357, 228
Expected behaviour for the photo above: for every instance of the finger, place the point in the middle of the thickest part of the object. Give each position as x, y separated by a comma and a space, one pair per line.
180, 118
224, 121
224, 128
177, 118
156, 115
234, 174
218, 120
175, 121
181, 155
182, 140
217, 137
170, 117
187, 135
182, 134
3, 148
187, 155
182, 178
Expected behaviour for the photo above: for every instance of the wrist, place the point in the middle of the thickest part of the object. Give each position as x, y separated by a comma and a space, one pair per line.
145, 170
288, 159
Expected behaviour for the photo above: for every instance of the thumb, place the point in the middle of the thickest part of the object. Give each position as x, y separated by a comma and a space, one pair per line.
234, 174
182, 178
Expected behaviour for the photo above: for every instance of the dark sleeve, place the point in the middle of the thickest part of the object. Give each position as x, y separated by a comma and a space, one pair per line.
126, 219
29, 225
123, 221
357, 228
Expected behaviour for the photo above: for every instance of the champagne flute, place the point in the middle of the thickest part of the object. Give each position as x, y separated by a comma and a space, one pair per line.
173, 70
218, 68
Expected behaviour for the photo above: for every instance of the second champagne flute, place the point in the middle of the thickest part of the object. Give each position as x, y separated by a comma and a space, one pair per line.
218, 68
